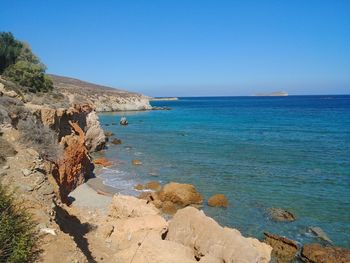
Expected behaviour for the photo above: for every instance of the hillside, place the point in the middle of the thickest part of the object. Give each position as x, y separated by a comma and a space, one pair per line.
104, 98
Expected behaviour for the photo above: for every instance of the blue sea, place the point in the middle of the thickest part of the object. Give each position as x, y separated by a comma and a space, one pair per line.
290, 152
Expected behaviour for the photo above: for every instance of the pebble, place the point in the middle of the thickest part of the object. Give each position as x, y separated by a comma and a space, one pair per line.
6, 167
47, 230
26, 172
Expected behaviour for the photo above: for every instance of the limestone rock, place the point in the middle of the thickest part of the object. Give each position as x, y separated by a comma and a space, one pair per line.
218, 200
283, 248
123, 121
136, 162
180, 194
167, 207
153, 185
108, 134
318, 232
280, 214
95, 138
315, 253
205, 236
154, 249
124, 206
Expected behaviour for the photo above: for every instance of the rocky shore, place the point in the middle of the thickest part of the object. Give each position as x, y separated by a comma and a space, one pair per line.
81, 220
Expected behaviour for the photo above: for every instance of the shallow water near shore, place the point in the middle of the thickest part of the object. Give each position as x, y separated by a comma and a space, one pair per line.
290, 152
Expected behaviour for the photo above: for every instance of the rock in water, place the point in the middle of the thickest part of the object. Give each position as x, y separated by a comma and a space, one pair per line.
218, 200
102, 161
192, 228
280, 214
320, 234
136, 162
139, 187
283, 249
116, 141
153, 185
315, 253
180, 194
123, 121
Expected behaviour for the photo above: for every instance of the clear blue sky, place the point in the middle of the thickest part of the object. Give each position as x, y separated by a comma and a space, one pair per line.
188, 47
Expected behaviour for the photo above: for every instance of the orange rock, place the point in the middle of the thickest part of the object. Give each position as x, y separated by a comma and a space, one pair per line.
102, 161
180, 194
218, 200
75, 164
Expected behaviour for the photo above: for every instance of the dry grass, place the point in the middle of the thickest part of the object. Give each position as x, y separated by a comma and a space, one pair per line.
41, 138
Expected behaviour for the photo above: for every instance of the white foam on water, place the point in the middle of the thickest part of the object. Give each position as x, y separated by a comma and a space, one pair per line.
121, 180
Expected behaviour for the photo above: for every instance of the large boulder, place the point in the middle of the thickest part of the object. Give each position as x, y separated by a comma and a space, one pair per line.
124, 206
315, 253
218, 200
180, 194
95, 138
206, 237
283, 249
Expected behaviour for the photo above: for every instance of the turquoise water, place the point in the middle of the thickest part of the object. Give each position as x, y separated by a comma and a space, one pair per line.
290, 152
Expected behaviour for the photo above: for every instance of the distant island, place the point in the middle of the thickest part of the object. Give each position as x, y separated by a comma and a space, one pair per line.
275, 93
167, 98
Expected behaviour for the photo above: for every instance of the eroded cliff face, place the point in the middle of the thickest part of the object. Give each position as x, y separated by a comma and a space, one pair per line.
79, 133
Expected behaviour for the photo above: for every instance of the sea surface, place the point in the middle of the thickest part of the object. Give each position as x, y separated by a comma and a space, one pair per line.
289, 152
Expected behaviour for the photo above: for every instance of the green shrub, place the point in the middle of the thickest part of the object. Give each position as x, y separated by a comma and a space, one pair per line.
29, 75
17, 231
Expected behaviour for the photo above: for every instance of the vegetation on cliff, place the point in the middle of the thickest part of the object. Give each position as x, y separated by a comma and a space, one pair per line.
17, 230
19, 64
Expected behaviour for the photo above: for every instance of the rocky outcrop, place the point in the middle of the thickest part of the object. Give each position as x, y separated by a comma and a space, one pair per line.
315, 253
95, 138
283, 249
84, 115
75, 165
180, 194
218, 200
279, 214
192, 228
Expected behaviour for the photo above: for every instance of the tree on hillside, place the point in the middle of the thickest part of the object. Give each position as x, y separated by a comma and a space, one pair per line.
19, 64
10, 49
